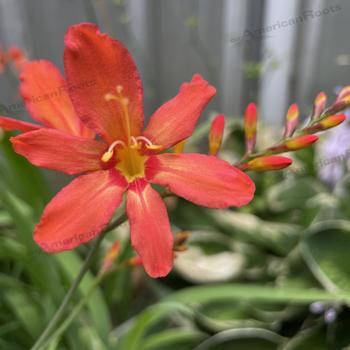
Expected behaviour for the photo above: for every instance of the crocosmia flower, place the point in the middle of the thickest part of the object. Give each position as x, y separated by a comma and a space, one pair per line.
126, 157
45, 94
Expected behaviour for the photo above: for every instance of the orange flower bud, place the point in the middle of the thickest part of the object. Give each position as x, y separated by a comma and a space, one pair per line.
18, 57
111, 256
180, 240
216, 133
344, 94
326, 123
300, 142
179, 147
341, 102
250, 121
292, 120
267, 163
332, 121
134, 261
3, 60
319, 105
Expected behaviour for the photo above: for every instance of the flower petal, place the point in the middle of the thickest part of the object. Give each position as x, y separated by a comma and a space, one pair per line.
53, 149
175, 120
204, 180
45, 94
150, 228
10, 124
108, 64
79, 211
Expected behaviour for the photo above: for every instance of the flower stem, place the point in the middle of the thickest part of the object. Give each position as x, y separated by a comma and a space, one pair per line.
74, 313
84, 268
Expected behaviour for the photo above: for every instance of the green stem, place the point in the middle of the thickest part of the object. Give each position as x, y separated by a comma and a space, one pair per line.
60, 330
75, 312
61, 310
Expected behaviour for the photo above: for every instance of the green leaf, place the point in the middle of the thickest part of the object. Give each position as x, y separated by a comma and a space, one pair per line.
218, 315
173, 339
278, 237
25, 310
24, 179
326, 250
201, 294
243, 339
293, 193
133, 338
40, 266
70, 264
310, 339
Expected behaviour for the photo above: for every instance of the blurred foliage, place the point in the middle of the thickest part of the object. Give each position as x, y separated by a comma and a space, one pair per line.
266, 276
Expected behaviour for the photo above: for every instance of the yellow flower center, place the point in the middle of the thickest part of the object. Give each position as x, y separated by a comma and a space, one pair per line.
131, 163
130, 160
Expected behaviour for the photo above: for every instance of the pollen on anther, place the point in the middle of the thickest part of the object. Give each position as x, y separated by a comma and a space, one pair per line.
153, 147
109, 97
119, 89
107, 156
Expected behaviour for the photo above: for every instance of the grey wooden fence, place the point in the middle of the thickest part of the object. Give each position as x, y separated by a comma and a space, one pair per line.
269, 51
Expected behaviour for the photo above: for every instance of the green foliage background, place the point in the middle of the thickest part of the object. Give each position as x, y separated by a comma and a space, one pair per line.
291, 245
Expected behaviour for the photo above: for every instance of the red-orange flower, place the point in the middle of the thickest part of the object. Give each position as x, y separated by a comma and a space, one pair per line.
45, 93
3, 60
18, 57
127, 157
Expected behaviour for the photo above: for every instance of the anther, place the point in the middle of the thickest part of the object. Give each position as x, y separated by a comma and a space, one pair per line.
135, 144
149, 144
109, 154
119, 89
110, 97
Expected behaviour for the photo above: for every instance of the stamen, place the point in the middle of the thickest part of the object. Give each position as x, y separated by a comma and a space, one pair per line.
149, 144
109, 154
124, 102
135, 144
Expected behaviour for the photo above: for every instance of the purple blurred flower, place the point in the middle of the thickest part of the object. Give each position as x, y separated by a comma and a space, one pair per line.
330, 315
334, 152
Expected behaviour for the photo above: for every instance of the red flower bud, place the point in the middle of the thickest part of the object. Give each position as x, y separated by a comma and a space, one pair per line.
326, 123
18, 57
319, 105
267, 163
292, 120
300, 142
250, 121
134, 261
216, 133
179, 147
111, 256
344, 94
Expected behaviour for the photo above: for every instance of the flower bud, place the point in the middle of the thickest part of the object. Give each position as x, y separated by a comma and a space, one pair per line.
326, 123
267, 163
344, 94
180, 241
134, 261
216, 133
18, 57
179, 147
110, 257
300, 142
292, 120
250, 121
319, 105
